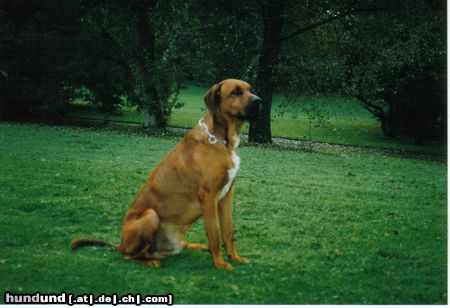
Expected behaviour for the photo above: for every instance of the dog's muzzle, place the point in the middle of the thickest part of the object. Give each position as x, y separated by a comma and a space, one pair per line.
251, 111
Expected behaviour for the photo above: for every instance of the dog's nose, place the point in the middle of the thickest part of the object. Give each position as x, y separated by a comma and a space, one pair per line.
254, 107
256, 99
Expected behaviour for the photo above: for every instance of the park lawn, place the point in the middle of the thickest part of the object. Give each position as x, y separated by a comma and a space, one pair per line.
330, 227
323, 118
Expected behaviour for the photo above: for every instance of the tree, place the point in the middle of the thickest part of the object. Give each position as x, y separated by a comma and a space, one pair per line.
33, 57
396, 67
131, 29
275, 36
391, 56
218, 41
113, 49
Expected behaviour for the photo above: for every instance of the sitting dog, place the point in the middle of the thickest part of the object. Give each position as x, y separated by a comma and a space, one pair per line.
196, 178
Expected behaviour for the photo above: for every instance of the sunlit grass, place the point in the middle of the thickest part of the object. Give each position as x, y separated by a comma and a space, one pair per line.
323, 118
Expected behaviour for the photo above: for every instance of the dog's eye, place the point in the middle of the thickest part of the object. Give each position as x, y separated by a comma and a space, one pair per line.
237, 91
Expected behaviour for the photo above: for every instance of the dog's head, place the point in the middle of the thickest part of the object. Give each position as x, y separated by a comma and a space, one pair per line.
234, 98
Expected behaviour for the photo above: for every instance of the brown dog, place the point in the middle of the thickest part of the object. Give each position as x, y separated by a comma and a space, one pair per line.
194, 179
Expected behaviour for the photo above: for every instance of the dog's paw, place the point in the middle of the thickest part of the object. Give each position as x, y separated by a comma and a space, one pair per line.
224, 265
195, 246
239, 259
150, 262
153, 263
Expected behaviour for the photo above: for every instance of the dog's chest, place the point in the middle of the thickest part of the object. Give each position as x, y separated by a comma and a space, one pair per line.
231, 174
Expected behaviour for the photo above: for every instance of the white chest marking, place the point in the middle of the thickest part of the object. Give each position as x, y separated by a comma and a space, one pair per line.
231, 174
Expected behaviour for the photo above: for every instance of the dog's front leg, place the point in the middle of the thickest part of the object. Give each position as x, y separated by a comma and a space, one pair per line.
210, 211
226, 225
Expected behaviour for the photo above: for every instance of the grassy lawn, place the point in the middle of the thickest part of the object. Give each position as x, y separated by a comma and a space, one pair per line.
340, 120
318, 227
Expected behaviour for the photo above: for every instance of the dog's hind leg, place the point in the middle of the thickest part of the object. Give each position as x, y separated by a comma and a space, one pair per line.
139, 237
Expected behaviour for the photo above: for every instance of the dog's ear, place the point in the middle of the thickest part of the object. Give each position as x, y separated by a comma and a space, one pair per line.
212, 98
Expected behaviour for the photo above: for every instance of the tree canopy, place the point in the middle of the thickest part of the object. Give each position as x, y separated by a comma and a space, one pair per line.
389, 54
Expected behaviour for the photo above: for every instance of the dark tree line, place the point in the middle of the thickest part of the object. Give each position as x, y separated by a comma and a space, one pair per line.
52, 50
389, 54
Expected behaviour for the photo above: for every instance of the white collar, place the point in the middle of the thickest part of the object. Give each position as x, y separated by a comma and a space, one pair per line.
211, 138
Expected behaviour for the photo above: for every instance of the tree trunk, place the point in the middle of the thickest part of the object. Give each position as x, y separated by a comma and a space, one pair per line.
146, 59
260, 130
387, 120
387, 124
150, 120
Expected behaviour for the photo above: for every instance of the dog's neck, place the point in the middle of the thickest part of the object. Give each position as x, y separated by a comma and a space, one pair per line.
225, 128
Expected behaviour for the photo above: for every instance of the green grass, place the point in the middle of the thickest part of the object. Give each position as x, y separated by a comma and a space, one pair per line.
318, 227
80, 108
323, 118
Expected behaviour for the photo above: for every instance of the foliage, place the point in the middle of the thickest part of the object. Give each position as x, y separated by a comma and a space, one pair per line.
336, 228
139, 35
34, 57
47, 60
310, 62
390, 55
221, 41
317, 115
397, 67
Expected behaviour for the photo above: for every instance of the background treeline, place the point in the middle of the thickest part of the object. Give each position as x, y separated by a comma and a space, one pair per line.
391, 55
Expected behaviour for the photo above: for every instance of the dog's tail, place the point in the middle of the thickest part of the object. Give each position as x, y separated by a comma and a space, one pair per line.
87, 242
